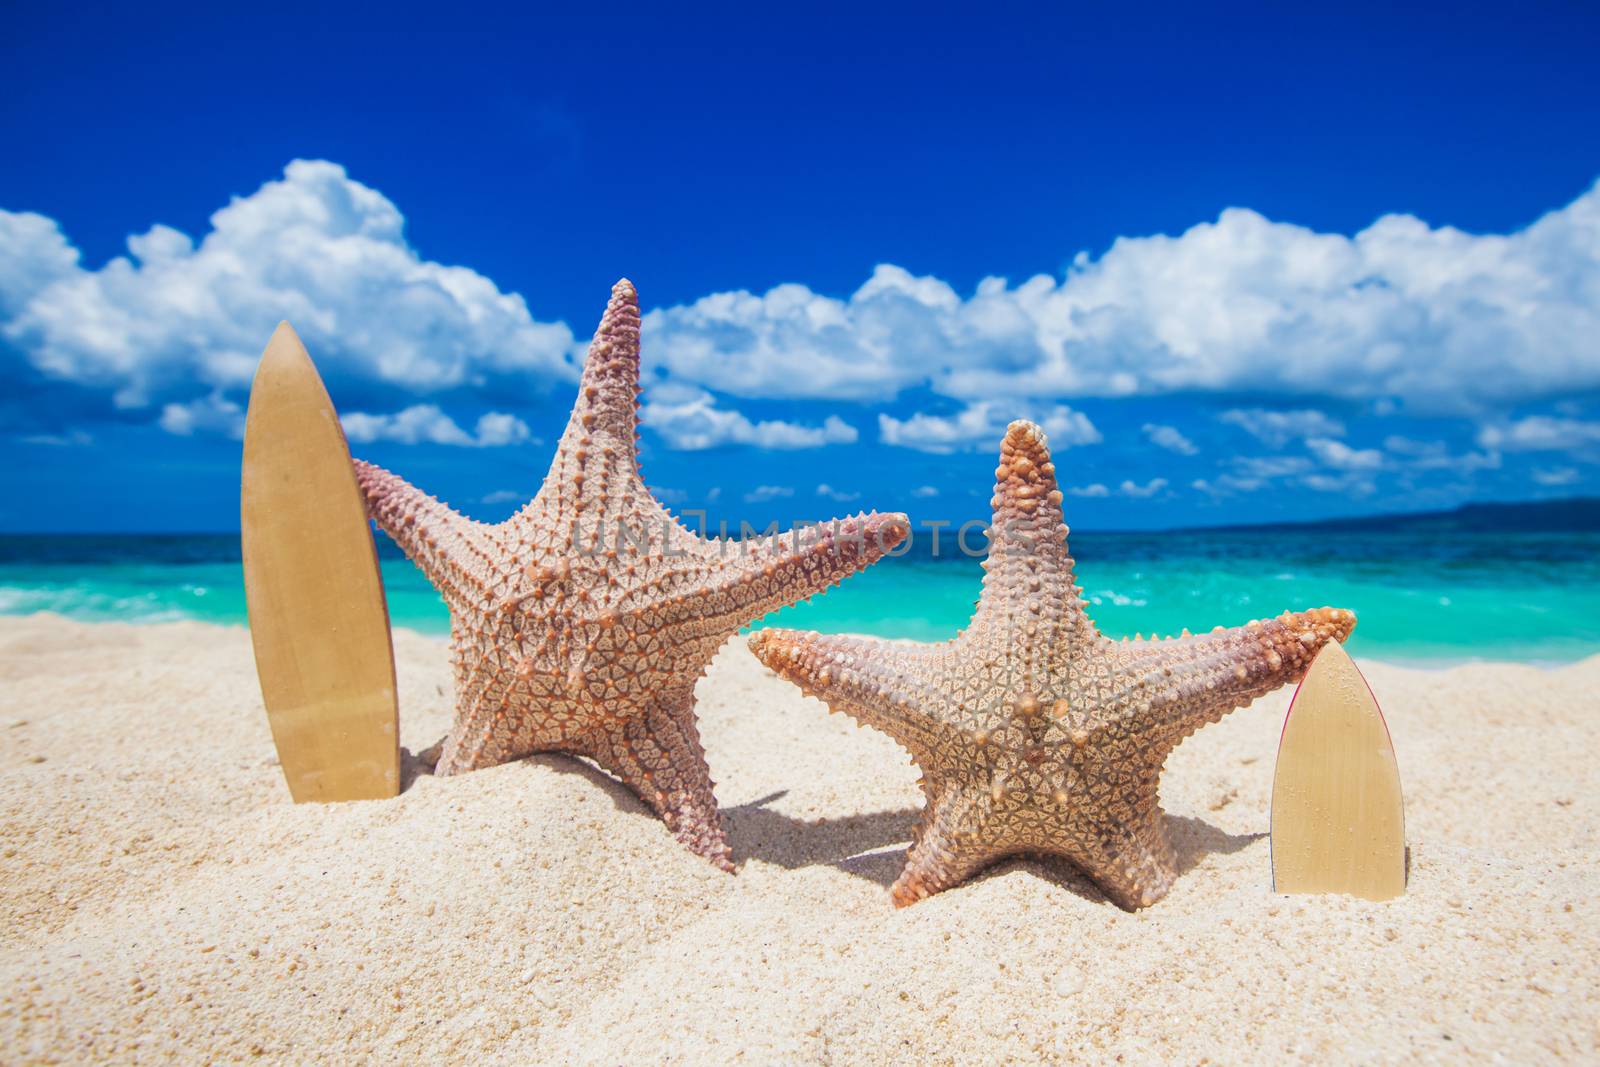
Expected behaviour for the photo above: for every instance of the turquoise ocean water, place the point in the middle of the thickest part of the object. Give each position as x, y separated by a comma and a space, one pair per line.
1430, 598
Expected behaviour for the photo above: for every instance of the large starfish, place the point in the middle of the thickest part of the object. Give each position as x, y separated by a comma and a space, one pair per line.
581, 623
1033, 732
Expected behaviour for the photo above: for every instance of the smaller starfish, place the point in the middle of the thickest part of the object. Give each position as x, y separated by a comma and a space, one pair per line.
581, 623
1033, 732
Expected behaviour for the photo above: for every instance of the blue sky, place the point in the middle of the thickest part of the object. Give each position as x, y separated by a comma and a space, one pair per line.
1243, 264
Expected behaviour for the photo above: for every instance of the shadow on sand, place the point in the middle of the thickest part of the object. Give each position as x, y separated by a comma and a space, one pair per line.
871, 845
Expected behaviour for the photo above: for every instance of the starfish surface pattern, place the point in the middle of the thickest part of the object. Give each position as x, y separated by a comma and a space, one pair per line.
1034, 733
581, 624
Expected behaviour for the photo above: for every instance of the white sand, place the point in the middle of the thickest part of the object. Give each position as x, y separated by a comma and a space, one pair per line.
161, 896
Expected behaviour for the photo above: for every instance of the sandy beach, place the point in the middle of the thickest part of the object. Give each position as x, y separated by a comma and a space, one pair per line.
161, 897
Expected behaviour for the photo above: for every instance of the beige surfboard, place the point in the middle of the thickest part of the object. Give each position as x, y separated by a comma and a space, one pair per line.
1338, 823
318, 618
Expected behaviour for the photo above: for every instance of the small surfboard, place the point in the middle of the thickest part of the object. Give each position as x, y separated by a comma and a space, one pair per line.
1338, 822
318, 618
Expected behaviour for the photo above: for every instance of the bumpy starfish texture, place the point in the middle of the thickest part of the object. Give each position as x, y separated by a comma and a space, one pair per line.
581, 624
1033, 732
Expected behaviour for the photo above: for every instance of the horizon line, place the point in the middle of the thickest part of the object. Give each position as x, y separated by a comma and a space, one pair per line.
1377, 516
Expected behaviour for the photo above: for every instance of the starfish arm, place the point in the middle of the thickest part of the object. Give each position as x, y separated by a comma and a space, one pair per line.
431, 534
765, 574
1129, 856
491, 724
481, 735
1028, 572
605, 415
947, 846
877, 683
1191, 681
658, 755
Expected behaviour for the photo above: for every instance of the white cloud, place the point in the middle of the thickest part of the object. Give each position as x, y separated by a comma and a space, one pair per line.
1337, 454
210, 414
496, 428
1228, 484
1148, 489
1413, 449
1128, 487
1540, 433
791, 342
1399, 317
1169, 438
1277, 428
1270, 467
1436, 455
425, 423
1351, 483
1249, 474
34, 255
668, 495
67, 439
502, 496
688, 419
979, 427
174, 318
1350, 471
1434, 316
1555, 476
925, 491
763, 493
835, 494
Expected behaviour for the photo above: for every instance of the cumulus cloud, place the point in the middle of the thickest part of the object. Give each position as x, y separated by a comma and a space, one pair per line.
668, 495
925, 491
1247, 474
1228, 484
1277, 428
1433, 316
425, 423
1413, 449
1437, 456
979, 427
791, 342
1555, 476
689, 419
1129, 488
762, 493
1332, 467
1402, 316
1169, 438
210, 414
831, 493
1270, 467
34, 255
1351, 483
70, 439
1540, 433
1148, 489
175, 317
1337, 454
